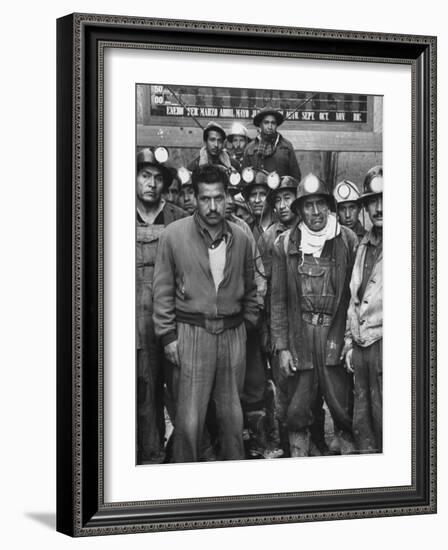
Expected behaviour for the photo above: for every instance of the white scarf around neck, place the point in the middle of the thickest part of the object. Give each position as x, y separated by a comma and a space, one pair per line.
313, 242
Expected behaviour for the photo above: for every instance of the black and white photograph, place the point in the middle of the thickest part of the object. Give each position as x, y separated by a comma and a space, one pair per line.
259, 275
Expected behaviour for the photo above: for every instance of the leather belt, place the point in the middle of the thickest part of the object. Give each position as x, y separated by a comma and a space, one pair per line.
317, 319
214, 325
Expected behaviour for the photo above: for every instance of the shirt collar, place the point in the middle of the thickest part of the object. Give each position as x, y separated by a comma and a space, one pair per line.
224, 232
372, 238
141, 220
259, 137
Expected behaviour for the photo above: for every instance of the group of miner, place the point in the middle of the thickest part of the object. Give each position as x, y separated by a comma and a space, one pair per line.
259, 303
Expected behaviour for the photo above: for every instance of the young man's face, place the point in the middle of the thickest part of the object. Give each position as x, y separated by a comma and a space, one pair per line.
257, 199
282, 204
230, 204
211, 201
149, 185
348, 213
374, 207
315, 212
214, 143
238, 144
187, 200
269, 124
172, 194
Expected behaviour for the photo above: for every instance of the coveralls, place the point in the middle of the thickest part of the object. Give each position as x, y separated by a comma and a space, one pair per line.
308, 312
150, 377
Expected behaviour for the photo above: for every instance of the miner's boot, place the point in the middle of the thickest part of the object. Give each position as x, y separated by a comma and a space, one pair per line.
274, 449
284, 439
257, 433
299, 443
346, 443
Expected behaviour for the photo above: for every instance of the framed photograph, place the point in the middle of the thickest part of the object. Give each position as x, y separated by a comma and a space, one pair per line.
224, 310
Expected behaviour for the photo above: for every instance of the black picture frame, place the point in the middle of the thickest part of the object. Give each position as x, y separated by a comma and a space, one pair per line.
81, 510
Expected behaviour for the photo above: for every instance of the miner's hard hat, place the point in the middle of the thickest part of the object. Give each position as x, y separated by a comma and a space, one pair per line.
237, 129
346, 191
373, 183
252, 177
213, 126
265, 112
309, 186
156, 157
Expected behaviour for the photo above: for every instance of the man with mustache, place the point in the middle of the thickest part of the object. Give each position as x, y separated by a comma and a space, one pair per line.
204, 298
311, 268
270, 151
255, 194
347, 197
153, 214
363, 349
238, 138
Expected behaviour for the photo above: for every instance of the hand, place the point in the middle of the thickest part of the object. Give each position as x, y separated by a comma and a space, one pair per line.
349, 361
286, 363
346, 356
172, 353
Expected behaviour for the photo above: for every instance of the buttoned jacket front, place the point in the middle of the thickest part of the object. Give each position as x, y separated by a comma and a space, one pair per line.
365, 315
183, 281
286, 317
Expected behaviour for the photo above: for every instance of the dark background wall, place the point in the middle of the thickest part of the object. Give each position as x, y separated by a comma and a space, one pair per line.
332, 150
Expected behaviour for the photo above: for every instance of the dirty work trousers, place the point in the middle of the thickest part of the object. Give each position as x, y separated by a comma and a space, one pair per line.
298, 393
212, 367
368, 407
150, 379
256, 373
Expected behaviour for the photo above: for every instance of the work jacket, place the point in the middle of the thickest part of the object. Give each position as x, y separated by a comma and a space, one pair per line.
286, 317
260, 278
359, 230
147, 240
266, 243
283, 160
365, 314
224, 160
184, 285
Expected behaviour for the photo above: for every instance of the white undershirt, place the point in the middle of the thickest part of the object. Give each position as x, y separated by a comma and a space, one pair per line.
217, 258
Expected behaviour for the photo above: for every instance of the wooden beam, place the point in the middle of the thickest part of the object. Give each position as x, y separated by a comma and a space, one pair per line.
174, 136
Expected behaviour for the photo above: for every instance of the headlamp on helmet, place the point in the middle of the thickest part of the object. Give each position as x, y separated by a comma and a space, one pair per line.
248, 174
346, 191
376, 185
184, 175
311, 184
161, 154
234, 178
273, 180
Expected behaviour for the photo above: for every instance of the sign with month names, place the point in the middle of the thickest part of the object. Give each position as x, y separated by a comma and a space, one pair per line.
244, 104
